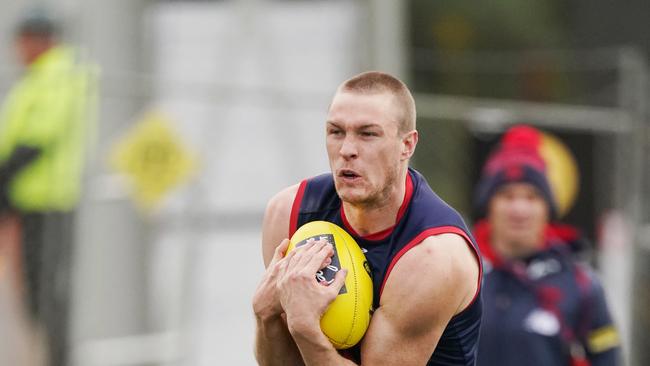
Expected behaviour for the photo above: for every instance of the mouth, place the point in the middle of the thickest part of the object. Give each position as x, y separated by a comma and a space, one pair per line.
520, 225
348, 175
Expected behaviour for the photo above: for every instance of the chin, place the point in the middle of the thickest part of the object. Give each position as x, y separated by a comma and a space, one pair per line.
521, 238
525, 243
355, 196
351, 197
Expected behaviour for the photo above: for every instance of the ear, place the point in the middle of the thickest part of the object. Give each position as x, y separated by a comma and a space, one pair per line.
409, 141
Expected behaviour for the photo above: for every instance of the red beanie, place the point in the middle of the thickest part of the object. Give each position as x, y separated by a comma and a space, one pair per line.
516, 159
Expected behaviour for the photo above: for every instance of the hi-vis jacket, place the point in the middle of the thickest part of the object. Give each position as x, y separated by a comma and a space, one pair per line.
52, 109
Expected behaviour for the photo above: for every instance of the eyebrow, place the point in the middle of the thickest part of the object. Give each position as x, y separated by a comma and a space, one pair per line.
369, 125
364, 126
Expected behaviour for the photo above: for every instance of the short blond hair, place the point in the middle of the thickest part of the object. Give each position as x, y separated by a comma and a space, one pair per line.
375, 82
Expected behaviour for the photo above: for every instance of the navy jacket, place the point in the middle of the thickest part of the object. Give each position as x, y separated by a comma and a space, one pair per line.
544, 310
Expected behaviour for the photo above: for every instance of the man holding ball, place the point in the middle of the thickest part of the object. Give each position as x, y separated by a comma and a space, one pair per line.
425, 266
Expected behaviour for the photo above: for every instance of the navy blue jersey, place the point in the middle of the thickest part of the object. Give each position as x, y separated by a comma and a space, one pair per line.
421, 215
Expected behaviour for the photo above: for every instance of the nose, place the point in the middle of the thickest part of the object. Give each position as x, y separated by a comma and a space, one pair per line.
520, 208
349, 148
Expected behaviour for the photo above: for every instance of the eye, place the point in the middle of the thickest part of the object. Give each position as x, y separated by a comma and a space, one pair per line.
369, 134
334, 131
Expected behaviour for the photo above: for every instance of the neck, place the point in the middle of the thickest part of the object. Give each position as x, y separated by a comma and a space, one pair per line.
514, 249
366, 220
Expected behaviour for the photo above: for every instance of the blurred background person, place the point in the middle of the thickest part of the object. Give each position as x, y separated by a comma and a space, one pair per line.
542, 306
43, 130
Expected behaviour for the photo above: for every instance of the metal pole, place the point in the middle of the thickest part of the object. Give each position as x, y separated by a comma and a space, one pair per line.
634, 97
388, 39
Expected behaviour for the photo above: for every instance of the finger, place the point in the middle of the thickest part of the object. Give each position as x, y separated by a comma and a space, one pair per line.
282, 265
280, 251
339, 281
315, 261
307, 251
326, 262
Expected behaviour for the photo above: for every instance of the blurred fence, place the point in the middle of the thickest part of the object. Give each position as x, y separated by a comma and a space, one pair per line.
172, 286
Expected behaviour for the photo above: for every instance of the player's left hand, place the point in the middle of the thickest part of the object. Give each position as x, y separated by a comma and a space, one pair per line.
303, 298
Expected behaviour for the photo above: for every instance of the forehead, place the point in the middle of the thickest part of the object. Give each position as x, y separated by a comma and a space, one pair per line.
518, 188
349, 108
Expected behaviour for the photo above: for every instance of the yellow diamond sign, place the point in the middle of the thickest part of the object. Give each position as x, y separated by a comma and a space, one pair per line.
154, 158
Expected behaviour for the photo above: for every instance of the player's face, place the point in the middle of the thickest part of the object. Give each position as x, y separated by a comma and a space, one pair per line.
518, 215
365, 147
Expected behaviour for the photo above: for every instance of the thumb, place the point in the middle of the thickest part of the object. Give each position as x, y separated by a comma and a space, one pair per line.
280, 251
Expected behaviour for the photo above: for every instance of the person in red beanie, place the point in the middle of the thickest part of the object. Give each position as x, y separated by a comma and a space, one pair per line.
541, 306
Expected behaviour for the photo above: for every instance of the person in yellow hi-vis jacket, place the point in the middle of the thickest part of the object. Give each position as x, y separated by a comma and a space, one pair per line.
44, 126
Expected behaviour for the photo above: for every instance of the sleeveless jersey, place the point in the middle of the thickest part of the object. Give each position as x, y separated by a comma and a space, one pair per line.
421, 215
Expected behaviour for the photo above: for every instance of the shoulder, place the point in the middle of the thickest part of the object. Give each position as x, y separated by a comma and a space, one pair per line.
281, 203
588, 279
277, 215
448, 274
431, 207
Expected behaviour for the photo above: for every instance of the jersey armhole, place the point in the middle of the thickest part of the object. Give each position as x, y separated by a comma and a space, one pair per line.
436, 231
295, 208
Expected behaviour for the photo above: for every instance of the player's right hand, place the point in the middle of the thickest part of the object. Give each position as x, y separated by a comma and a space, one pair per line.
266, 303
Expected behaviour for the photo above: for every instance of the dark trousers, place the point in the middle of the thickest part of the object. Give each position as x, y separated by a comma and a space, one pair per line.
47, 260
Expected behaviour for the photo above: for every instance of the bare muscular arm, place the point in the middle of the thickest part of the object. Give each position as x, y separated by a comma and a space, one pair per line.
273, 342
431, 283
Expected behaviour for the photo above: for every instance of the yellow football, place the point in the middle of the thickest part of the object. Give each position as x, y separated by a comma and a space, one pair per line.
347, 318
